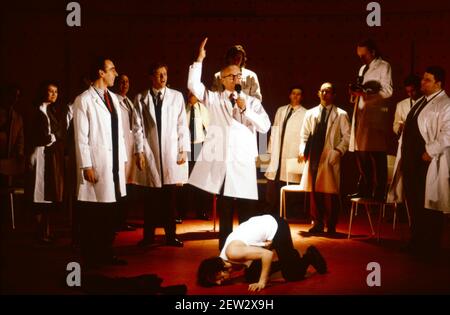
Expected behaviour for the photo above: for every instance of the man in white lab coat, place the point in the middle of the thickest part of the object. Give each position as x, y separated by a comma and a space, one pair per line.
101, 157
284, 143
329, 127
226, 164
412, 89
421, 173
370, 123
126, 111
161, 137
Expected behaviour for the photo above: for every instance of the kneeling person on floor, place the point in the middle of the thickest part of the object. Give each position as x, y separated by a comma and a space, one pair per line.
250, 245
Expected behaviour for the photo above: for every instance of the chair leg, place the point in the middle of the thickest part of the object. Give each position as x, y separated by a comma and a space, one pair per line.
351, 219
408, 214
281, 202
214, 212
284, 205
370, 219
380, 219
11, 200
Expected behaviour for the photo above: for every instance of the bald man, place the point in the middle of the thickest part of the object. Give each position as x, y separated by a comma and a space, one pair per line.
226, 164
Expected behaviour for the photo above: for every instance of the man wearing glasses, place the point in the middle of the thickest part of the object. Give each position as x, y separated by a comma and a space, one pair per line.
226, 164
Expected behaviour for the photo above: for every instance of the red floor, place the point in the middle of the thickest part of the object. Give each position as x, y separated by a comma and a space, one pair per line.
29, 268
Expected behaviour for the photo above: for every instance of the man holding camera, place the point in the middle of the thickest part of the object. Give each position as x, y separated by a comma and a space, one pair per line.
370, 123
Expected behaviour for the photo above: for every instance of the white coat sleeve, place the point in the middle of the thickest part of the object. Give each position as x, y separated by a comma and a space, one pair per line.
138, 130
305, 131
195, 84
344, 124
182, 128
442, 141
255, 113
386, 81
81, 126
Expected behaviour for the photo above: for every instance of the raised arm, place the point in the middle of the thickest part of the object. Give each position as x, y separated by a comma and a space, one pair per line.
195, 84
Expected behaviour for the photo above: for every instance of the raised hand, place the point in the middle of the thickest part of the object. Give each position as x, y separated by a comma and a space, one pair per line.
202, 51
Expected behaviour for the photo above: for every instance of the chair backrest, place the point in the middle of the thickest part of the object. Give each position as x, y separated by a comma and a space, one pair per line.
292, 167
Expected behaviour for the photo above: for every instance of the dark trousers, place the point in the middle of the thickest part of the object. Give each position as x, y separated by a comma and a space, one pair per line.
159, 210
324, 208
122, 209
292, 265
427, 226
273, 196
372, 173
194, 200
97, 222
226, 206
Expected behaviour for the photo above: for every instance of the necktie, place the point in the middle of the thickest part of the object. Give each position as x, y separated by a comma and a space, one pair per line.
192, 124
107, 101
283, 129
417, 108
319, 140
232, 100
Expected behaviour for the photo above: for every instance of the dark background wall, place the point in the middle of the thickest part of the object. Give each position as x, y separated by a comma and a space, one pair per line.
287, 41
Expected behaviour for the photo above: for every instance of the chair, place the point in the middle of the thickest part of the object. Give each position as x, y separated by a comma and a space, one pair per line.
12, 192
12, 168
292, 167
391, 163
368, 203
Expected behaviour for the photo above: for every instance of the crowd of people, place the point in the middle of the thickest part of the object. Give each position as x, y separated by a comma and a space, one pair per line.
97, 148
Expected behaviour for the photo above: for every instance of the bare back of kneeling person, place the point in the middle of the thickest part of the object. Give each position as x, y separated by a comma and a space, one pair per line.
250, 245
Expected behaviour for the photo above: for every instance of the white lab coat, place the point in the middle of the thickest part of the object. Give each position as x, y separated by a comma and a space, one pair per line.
230, 150
401, 112
201, 120
174, 137
127, 125
291, 142
434, 126
373, 118
93, 145
337, 137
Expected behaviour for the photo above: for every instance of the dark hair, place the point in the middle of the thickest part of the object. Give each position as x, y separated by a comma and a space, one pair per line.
98, 63
41, 94
206, 274
412, 80
370, 45
296, 87
438, 73
232, 52
155, 66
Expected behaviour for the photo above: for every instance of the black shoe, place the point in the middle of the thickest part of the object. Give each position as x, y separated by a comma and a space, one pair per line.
316, 229
115, 261
331, 230
316, 259
145, 242
357, 195
174, 242
126, 228
178, 220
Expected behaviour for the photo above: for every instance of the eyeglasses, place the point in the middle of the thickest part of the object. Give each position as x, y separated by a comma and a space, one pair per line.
233, 76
